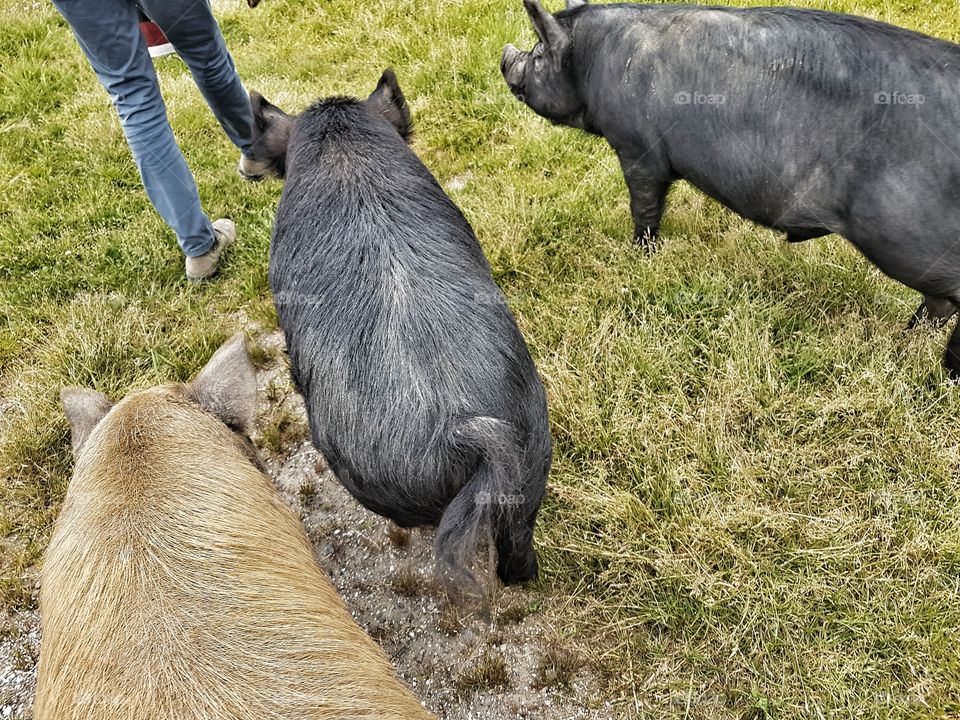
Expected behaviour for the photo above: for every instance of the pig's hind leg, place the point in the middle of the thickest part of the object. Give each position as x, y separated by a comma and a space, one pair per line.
951, 358
516, 558
483, 505
934, 310
938, 311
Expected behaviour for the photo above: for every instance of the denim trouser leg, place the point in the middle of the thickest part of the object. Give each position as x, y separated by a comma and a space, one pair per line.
108, 31
191, 27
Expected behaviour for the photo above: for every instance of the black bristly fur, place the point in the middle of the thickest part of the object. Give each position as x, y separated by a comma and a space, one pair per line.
420, 391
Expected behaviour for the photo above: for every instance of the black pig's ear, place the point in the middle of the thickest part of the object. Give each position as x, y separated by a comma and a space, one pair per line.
571, 4
84, 409
548, 29
266, 114
388, 102
269, 137
227, 385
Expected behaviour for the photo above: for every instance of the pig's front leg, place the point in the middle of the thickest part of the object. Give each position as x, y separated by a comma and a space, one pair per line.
648, 185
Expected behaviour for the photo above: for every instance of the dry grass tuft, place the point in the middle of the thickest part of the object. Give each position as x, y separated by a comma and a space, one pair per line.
406, 582
262, 357
400, 537
558, 665
487, 672
282, 430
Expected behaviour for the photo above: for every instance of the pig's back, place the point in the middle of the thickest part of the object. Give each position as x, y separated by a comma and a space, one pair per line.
395, 328
178, 585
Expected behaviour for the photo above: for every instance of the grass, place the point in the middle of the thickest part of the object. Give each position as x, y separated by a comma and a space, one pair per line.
488, 671
281, 430
754, 509
557, 666
400, 537
406, 582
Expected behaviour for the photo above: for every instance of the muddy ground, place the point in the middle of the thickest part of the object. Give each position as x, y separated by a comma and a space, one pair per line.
463, 665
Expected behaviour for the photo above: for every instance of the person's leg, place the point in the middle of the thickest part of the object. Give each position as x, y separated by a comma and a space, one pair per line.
191, 27
109, 33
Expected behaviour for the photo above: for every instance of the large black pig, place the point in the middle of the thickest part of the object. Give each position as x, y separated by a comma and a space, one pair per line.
420, 391
804, 121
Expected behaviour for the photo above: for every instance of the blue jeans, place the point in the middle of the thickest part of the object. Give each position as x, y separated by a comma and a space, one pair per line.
109, 33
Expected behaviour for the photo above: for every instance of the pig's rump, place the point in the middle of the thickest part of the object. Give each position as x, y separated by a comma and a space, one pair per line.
178, 585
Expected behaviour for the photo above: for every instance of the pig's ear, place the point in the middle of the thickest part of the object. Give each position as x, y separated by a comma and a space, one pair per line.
84, 409
388, 102
267, 116
573, 4
548, 29
227, 385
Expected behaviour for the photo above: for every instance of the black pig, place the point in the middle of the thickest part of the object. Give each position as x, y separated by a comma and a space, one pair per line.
804, 121
420, 391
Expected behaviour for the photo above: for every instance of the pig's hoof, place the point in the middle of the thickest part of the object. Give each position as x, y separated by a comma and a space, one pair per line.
951, 357
951, 361
933, 311
953, 370
647, 241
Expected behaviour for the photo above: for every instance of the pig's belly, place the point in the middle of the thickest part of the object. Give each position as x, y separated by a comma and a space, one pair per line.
930, 265
768, 202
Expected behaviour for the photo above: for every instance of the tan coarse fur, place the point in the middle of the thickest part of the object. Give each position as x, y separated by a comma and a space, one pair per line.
178, 586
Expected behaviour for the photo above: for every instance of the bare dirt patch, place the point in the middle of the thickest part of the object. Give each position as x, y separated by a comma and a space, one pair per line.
19, 650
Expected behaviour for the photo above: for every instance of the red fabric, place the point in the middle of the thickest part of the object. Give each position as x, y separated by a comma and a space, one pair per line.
152, 32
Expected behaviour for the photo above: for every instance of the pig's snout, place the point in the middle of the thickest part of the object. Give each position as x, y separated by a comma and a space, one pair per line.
509, 52
511, 65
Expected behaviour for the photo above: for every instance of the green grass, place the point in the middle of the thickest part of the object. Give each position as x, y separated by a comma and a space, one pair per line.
755, 507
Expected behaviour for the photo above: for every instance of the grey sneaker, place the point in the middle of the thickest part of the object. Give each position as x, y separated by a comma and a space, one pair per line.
205, 266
